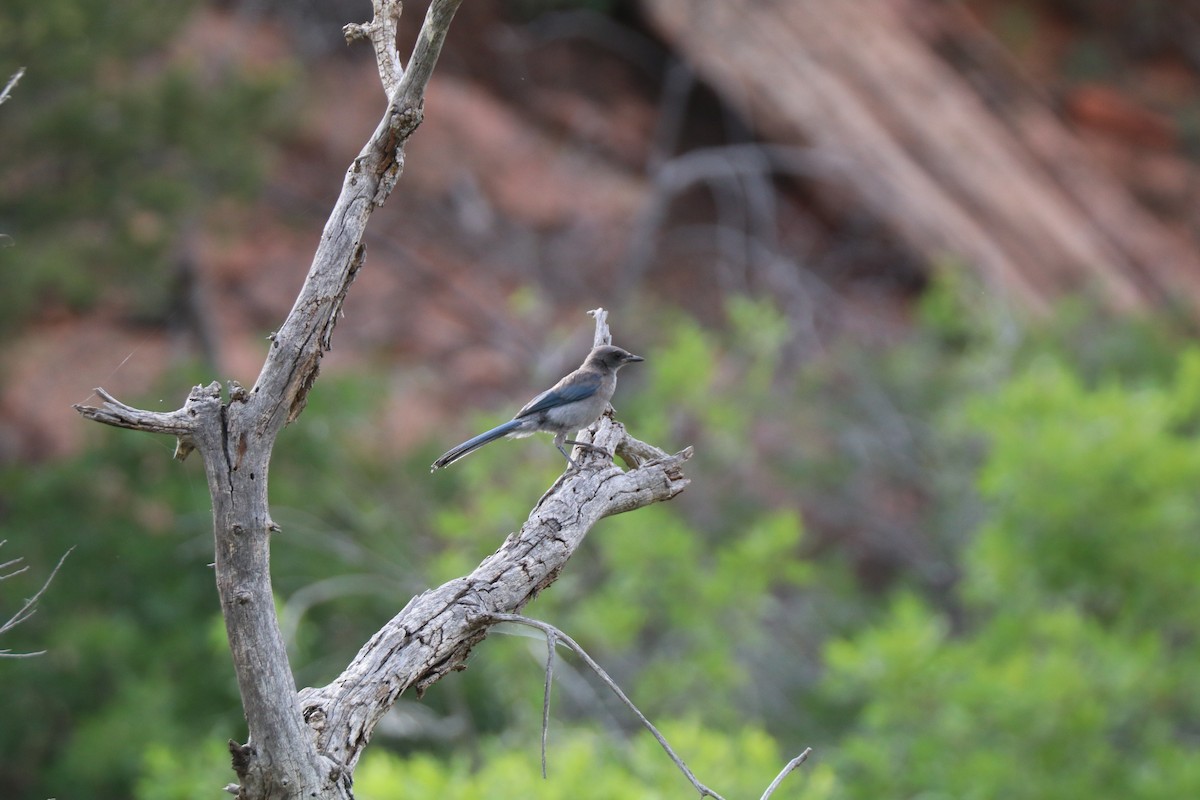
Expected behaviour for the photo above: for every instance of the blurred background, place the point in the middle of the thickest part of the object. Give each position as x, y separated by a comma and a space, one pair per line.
918, 280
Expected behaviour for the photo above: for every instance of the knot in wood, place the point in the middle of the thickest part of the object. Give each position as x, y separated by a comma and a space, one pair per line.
406, 121
203, 392
315, 716
241, 753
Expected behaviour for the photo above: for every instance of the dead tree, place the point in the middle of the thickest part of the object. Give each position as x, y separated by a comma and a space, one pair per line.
305, 744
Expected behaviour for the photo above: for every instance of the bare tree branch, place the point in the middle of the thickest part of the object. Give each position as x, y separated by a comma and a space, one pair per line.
181, 423
554, 635
306, 744
236, 437
434, 633
381, 32
292, 365
603, 335
551, 643
27, 610
791, 765
12, 84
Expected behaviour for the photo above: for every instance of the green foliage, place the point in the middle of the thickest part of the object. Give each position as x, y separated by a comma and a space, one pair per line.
1034, 637
672, 601
124, 622
1081, 710
184, 773
1094, 486
588, 764
109, 148
702, 605
1081, 587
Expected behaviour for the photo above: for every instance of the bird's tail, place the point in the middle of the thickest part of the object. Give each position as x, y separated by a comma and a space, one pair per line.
473, 444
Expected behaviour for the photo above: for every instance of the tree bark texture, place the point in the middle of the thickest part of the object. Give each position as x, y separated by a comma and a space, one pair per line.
998, 181
433, 634
306, 744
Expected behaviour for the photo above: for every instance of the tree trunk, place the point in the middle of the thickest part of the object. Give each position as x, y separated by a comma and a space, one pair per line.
306, 744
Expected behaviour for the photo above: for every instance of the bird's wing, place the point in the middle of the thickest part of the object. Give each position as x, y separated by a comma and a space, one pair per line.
577, 386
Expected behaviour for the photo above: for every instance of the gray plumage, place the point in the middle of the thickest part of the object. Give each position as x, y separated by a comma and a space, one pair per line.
570, 405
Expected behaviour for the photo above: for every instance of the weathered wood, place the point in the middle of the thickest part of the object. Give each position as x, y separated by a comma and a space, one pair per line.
306, 745
1012, 194
434, 633
235, 438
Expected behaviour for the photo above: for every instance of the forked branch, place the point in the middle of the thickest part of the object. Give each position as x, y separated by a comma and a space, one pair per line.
236, 436
307, 744
381, 32
30, 606
553, 637
435, 632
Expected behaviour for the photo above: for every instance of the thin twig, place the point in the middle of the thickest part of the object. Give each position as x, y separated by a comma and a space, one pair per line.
603, 335
12, 83
26, 611
12, 563
381, 31
410, 90
552, 631
791, 765
551, 643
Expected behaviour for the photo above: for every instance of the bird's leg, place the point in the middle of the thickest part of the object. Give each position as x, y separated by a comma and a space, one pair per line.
559, 440
586, 446
589, 446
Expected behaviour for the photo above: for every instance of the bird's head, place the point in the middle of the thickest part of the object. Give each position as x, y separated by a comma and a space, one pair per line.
611, 357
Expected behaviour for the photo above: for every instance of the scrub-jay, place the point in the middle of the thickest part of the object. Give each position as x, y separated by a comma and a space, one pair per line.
568, 406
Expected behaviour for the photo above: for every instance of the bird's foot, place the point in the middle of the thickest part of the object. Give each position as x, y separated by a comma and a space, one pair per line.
595, 448
575, 465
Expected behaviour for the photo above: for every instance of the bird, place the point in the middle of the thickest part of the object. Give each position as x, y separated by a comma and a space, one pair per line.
570, 405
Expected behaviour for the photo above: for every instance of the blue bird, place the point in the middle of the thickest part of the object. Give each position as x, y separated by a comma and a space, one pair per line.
570, 405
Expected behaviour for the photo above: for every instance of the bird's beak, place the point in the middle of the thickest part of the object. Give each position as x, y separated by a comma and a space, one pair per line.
629, 359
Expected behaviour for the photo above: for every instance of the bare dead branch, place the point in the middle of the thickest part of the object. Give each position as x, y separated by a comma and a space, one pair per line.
10, 563
203, 403
602, 336
425, 53
381, 32
27, 610
5, 239
114, 412
236, 438
637, 453
435, 632
554, 635
12, 84
307, 744
293, 362
551, 643
791, 765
